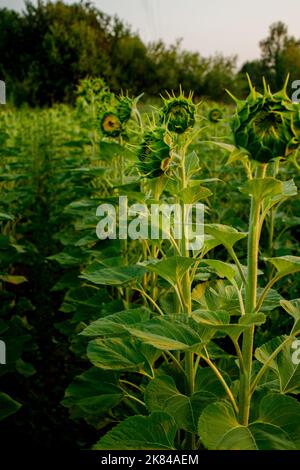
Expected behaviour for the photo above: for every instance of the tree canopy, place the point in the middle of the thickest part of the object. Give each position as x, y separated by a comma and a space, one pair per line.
49, 47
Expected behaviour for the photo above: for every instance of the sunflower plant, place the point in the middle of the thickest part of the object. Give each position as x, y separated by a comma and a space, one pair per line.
182, 356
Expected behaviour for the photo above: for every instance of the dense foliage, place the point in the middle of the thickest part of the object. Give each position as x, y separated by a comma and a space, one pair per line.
144, 343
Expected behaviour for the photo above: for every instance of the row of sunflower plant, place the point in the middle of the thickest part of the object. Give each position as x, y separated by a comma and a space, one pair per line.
175, 337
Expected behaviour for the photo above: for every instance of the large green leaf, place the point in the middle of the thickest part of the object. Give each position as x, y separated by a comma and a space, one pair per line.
92, 393
224, 234
286, 264
193, 194
222, 269
114, 325
261, 188
161, 394
177, 332
154, 432
224, 297
287, 371
121, 354
8, 406
293, 308
277, 426
113, 276
220, 321
171, 269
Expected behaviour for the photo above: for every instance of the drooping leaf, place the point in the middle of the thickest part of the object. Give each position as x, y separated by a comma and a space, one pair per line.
12, 279
120, 354
175, 332
277, 426
286, 264
93, 393
172, 268
8, 406
154, 432
161, 394
224, 234
113, 325
220, 321
293, 308
223, 269
193, 194
287, 370
261, 188
113, 276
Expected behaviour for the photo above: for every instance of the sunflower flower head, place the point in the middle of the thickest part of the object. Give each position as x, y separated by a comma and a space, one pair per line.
178, 113
266, 125
215, 115
110, 124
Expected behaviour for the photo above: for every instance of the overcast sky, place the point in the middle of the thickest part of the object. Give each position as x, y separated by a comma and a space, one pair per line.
232, 27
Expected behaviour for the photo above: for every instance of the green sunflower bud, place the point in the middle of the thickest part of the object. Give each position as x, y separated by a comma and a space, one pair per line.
178, 113
124, 108
110, 124
215, 115
107, 99
266, 125
154, 154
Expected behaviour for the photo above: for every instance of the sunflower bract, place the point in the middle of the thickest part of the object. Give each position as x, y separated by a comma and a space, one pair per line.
154, 153
124, 108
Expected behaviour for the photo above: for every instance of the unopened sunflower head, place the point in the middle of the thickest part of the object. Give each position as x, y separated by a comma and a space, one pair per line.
154, 153
215, 115
107, 99
110, 124
266, 125
178, 113
124, 108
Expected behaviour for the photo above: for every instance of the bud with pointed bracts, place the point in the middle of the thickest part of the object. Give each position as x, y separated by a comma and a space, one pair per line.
154, 153
178, 113
215, 115
266, 125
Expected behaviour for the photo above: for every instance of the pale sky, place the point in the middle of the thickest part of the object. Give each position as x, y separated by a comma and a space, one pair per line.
232, 27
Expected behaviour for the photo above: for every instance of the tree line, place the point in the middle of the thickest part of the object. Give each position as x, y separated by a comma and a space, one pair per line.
49, 47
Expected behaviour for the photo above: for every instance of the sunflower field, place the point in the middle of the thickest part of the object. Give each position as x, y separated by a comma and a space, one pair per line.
150, 342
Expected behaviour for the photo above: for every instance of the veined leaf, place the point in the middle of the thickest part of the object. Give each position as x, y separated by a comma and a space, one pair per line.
283, 365
224, 234
171, 269
261, 188
92, 393
154, 432
193, 194
121, 354
176, 332
293, 308
114, 276
113, 325
222, 269
286, 264
276, 428
161, 394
